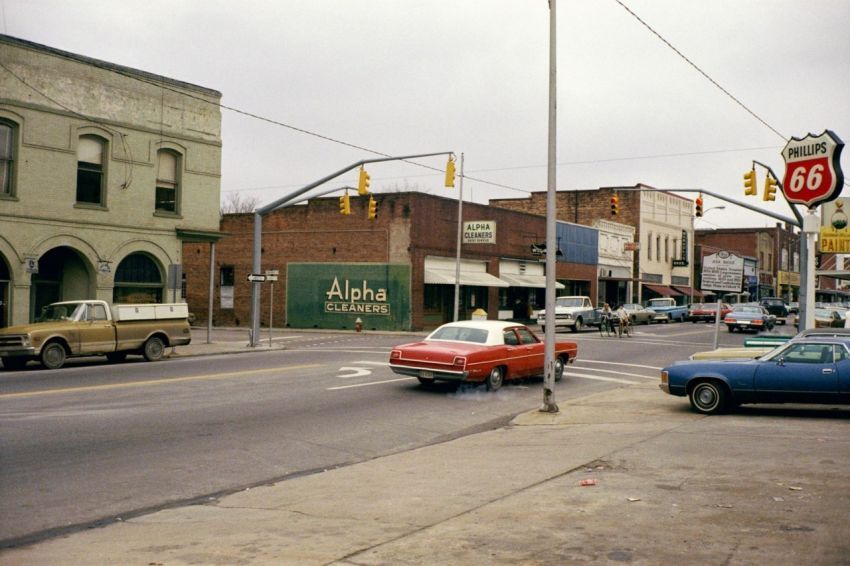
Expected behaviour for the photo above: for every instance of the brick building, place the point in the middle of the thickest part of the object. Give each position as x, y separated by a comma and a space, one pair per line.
104, 172
775, 253
663, 223
394, 272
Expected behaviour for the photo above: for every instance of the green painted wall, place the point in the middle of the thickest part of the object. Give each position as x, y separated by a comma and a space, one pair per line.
334, 295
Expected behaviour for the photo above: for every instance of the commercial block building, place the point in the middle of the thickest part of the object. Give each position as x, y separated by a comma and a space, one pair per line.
662, 262
394, 272
105, 171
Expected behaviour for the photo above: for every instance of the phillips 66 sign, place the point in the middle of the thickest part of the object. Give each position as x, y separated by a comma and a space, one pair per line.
813, 169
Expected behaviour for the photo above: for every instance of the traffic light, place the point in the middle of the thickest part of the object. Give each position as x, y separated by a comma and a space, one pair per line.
698, 203
373, 208
769, 188
363, 184
615, 205
450, 172
750, 188
345, 204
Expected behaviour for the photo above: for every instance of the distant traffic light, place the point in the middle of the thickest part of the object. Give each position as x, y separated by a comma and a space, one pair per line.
345, 204
698, 203
750, 187
769, 188
615, 205
450, 172
373, 208
363, 184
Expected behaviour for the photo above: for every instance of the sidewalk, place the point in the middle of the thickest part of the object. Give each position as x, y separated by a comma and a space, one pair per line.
671, 487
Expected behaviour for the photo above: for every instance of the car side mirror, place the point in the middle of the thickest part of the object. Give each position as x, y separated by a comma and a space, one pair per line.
780, 361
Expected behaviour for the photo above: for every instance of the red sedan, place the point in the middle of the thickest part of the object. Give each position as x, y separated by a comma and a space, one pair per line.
478, 351
708, 312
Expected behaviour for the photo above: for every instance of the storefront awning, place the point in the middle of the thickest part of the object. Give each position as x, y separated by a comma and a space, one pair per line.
535, 281
688, 291
663, 290
468, 278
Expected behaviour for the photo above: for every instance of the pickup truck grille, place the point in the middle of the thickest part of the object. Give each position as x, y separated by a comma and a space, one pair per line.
12, 341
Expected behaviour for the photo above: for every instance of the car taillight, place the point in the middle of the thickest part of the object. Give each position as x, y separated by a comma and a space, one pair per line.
459, 361
395, 354
664, 377
729, 319
758, 321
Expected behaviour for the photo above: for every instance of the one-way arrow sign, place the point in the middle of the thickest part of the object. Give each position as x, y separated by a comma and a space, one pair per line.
256, 278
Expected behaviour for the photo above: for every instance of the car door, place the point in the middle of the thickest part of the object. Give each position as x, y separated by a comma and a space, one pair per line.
97, 335
802, 373
514, 354
533, 351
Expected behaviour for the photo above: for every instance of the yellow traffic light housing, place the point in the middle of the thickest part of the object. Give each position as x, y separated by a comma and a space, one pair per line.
345, 204
373, 208
363, 183
450, 172
769, 188
750, 184
615, 205
698, 203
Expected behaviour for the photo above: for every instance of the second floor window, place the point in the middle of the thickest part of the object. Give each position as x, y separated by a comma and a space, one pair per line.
90, 152
166, 181
6, 159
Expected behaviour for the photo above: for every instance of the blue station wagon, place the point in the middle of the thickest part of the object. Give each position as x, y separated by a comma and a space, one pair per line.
813, 369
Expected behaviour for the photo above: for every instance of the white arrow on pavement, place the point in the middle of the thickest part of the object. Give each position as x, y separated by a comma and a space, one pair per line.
355, 372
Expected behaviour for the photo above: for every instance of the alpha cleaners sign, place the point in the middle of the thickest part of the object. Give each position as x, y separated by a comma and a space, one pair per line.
346, 297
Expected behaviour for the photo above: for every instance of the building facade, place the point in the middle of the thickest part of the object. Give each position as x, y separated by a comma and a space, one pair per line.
396, 272
663, 224
105, 171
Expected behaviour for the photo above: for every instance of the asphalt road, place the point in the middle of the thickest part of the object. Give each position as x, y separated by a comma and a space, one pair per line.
94, 441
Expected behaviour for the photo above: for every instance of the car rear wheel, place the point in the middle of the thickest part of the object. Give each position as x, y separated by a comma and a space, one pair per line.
494, 380
559, 369
153, 349
53, 355
708, 397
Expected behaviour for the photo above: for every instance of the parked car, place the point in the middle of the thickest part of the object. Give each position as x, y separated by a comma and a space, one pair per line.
667, 310
813, 369
478, 351
573, 312
748, 317
775, 306
707, 312
794, 307
639, 314
828, 318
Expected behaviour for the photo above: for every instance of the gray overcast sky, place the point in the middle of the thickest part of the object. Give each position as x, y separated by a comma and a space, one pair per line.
418, 76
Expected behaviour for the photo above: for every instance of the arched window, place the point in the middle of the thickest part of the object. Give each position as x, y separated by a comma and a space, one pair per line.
90, 162
167, 183
7, 158
137, 280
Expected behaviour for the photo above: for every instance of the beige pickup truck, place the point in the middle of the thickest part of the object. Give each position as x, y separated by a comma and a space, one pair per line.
94, 328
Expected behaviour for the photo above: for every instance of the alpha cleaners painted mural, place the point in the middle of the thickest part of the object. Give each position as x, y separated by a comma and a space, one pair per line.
335, 295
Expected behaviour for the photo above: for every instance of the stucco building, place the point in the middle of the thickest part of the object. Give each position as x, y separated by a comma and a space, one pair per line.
105, 171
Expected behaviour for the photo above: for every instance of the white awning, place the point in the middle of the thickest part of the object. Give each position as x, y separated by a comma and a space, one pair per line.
469, 278
535, 281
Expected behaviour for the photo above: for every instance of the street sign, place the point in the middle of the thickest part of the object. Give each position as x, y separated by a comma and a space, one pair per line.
271, 275
813, 169
256, 278
722, 271
271, 278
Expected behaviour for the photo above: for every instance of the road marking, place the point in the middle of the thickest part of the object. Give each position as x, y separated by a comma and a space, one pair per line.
600, 378
618, 364
108, 386
355, 372
370, 383
622, 373
372, 363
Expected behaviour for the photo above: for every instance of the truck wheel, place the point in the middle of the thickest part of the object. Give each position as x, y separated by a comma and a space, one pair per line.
577, 326
53, 355
153, 349
116, 357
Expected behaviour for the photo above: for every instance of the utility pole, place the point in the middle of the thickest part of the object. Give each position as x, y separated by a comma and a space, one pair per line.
549, 405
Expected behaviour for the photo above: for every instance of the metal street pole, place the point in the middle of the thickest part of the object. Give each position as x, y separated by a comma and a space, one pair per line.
549, 405
459, 240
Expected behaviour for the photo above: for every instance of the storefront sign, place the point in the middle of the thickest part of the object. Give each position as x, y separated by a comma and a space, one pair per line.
788, 278
479, 232
835, 228
335, 295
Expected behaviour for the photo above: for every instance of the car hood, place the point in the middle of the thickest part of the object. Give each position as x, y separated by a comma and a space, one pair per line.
57, 326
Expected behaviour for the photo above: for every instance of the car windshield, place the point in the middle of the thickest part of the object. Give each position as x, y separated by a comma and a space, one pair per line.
460, 334
53, 313
570, 302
